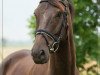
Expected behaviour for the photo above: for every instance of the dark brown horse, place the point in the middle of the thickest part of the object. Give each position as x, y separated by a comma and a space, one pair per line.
53, 51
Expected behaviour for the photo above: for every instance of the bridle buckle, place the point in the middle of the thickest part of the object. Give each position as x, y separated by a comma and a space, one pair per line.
54, 47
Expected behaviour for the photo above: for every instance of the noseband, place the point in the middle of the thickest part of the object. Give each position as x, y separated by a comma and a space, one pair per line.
56, 40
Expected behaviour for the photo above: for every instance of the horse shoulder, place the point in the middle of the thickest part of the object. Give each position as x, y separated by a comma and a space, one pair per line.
12, 59
21, 63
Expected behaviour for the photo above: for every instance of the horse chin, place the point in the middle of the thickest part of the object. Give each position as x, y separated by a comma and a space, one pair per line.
40, 62
37, 61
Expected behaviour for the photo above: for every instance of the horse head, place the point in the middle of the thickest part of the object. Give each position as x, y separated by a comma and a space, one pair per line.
51, 19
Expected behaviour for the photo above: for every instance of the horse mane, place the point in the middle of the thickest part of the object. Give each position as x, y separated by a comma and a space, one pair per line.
71, 8
71, 45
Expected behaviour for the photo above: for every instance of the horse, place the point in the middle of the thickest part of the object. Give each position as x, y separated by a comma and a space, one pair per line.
53, 52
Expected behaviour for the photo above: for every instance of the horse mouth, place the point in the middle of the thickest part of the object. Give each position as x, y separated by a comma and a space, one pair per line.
40, 61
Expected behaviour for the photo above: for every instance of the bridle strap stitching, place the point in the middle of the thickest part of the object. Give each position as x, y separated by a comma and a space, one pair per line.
50, 35
45, 33
43, 1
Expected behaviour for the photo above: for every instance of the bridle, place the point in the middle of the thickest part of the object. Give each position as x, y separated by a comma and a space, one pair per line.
56, 40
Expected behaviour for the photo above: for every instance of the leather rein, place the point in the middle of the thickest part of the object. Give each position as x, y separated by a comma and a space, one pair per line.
56, 40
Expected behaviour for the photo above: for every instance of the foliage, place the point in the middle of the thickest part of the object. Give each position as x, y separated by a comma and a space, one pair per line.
32, 25
85, 30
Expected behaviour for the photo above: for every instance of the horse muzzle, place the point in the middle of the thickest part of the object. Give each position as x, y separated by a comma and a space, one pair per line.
39, 56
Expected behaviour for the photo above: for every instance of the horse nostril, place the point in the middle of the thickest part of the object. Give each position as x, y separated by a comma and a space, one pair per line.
42, 52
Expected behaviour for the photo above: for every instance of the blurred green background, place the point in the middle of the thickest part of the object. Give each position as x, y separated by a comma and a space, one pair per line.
86, 35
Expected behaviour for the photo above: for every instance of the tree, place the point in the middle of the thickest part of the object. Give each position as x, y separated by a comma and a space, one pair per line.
85, 30
32, 25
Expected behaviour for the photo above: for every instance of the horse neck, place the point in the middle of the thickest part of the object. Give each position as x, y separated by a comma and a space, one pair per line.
63, 61
60, 62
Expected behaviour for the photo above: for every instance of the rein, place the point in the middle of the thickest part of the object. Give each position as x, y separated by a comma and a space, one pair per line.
56, 40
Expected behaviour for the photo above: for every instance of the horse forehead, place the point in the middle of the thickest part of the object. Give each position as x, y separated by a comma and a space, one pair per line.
46, 8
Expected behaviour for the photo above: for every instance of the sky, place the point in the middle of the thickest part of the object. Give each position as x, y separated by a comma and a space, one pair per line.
15, 18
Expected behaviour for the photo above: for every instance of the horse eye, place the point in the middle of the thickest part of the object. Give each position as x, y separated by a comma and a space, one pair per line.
58, 14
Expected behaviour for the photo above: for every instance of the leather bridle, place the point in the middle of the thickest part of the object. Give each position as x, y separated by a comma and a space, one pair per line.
56, 40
